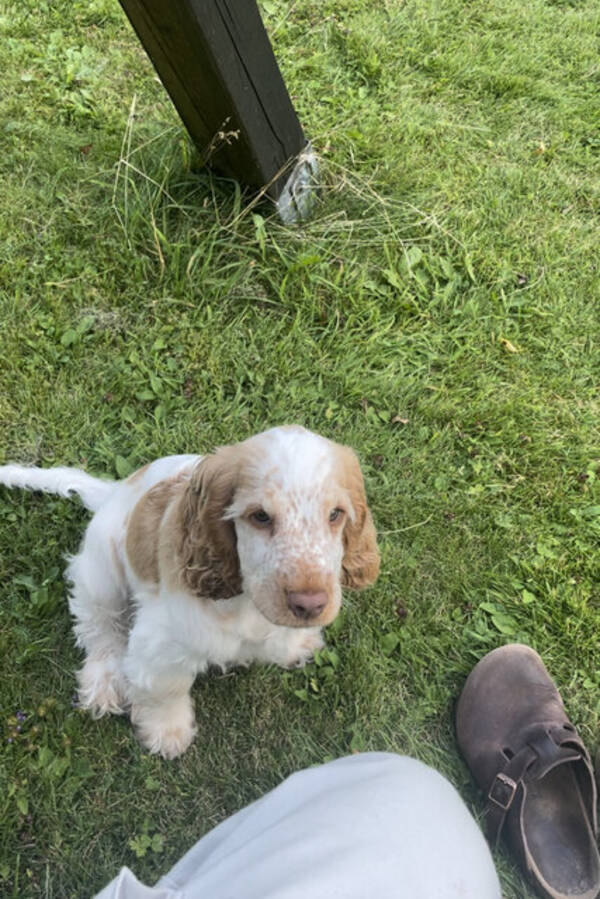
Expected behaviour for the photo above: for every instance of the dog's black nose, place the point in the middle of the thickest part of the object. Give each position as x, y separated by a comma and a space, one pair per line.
307, 604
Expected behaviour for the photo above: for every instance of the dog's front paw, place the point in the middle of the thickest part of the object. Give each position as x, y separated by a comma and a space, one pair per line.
166, 729
170, 742
304, 649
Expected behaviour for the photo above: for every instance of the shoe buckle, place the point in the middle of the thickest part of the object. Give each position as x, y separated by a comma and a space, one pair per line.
502, 792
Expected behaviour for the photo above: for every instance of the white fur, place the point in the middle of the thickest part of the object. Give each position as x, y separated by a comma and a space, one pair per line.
146, 642
63, 481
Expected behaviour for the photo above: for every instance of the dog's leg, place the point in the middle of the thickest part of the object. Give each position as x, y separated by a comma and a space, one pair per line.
164, 716
98, 602
159, 677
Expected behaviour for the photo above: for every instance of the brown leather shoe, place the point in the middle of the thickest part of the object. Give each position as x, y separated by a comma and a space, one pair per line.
534, 770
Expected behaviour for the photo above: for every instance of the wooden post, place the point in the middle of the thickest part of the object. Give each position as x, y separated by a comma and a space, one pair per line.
215, 60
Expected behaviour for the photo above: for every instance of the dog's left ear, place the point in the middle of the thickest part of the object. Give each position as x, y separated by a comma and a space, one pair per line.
208, 548
360, 564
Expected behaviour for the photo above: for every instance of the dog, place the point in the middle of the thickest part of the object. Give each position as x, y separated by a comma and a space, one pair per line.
224, 559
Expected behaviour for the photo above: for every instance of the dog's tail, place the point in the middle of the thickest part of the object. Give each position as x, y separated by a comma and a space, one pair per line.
63, 481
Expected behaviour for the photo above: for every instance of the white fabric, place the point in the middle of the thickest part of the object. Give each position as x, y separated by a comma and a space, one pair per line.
368, 826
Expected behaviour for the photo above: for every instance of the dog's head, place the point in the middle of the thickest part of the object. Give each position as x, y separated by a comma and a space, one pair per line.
282, 517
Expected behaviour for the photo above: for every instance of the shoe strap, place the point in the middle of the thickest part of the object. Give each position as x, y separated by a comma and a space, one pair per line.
542, 751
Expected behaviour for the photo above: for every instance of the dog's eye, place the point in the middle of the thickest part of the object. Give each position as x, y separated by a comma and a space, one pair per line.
335, 515
261, 518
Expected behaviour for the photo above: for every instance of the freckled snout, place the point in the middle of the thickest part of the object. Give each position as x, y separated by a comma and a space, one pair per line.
307, 604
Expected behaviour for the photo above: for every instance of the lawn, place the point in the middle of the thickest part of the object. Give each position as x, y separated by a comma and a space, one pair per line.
439, 313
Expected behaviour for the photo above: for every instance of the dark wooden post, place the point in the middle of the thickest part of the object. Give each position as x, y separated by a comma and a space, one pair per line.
215, 60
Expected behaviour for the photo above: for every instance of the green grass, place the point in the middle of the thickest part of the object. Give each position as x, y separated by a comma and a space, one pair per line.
439, 313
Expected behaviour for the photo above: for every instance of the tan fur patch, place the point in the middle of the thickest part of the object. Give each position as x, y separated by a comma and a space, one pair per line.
141, 543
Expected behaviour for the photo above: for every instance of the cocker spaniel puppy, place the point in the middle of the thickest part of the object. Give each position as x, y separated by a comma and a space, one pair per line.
224, 559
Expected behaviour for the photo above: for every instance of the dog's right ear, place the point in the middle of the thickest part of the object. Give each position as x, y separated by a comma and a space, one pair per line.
207, 544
